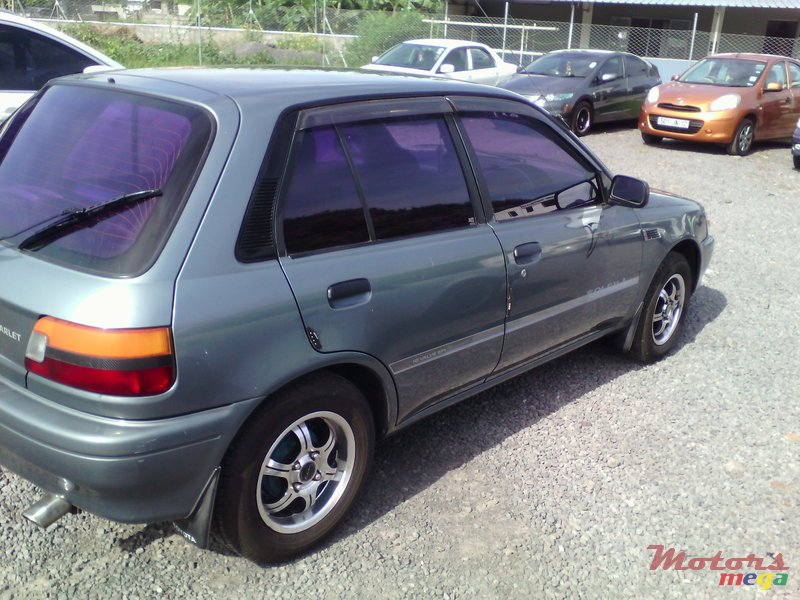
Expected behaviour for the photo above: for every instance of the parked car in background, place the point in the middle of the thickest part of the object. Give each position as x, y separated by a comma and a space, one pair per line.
728, 99
454, 59
31, 54
796, 146
587, 86
203, 322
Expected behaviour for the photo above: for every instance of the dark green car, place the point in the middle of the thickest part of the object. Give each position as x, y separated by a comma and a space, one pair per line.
221, 287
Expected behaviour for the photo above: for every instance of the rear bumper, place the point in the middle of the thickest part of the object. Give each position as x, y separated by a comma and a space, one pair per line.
796, 143
123, 470
708, 127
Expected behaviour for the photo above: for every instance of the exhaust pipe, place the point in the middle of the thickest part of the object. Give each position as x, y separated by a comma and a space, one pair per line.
49, 509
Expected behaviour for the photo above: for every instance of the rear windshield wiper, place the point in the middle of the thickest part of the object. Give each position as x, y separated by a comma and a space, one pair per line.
82, 217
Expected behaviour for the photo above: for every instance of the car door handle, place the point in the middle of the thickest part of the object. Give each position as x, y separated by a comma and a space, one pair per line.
349, 293
529, 253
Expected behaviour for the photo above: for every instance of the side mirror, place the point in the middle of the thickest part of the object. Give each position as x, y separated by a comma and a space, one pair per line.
773, 86
374, 58
607, 77
520, 69
674, 77
446, 69
629, 191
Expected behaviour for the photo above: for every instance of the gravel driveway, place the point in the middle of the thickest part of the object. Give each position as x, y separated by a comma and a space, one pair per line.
552, 485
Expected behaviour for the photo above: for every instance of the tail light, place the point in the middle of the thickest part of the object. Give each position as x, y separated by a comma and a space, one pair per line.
120, 362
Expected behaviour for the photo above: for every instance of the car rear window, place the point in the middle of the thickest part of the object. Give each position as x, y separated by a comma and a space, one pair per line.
76, 147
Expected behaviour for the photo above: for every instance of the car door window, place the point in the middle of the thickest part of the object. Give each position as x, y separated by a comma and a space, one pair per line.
29, 60
374, 181
777, 74
525, 166
410, 176
635, 67
613, 66
457, 58
481, 59
323, 209
794, 75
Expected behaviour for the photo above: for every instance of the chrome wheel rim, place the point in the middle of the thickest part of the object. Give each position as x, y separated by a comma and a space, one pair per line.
305, 472
668, 310
583, 120
745, 138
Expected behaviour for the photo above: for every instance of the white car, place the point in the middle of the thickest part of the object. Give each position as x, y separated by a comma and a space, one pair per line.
31, 54
454, 59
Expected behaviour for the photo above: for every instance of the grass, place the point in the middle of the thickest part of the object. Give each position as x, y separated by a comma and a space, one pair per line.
122, 45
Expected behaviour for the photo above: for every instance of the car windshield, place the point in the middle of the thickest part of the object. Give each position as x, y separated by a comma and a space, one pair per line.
728, 72
563, 65
76, 147
412, 56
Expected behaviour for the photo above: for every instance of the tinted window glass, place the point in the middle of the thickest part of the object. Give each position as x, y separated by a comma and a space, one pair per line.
457, 58
613, 66
410, 175
523, 164
29, 60
414, 56
84, 146
481, 59
635, 67
323, 209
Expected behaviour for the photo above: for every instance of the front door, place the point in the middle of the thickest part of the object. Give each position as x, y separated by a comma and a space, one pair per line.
610, 89
387, 256
573, 263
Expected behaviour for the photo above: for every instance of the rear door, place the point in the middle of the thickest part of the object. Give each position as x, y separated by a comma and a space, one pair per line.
637, 73
482, 67
386, 249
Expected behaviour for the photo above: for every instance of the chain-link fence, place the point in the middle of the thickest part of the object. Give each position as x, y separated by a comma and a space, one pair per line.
328, 31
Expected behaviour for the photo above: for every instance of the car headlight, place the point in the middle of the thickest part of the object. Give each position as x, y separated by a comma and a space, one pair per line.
652, 95
726, 102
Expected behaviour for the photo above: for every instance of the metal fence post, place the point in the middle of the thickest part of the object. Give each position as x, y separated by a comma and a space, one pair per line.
446, 4
571, 25
694, 32
505, 25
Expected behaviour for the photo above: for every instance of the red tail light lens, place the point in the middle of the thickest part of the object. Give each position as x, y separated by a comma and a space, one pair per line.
120, 362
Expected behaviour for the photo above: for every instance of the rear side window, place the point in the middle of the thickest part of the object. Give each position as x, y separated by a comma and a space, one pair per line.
635, 67
373, 181
523, 164
481, 59
83, 146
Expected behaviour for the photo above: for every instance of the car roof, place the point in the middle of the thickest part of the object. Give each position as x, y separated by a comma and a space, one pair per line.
13, 20
445, 43
295, 86
750, 56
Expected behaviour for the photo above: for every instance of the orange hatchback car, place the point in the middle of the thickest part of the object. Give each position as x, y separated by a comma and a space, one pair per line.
730, 99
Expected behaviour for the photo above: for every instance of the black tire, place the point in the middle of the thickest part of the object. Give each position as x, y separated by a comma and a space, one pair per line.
796, 160
244, 516
659, 327
582, 118
650, 139
742, 141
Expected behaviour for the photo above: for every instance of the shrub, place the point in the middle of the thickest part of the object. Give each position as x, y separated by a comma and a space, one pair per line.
379, 31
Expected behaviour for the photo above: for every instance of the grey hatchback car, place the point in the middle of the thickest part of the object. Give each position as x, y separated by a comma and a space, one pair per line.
219, 288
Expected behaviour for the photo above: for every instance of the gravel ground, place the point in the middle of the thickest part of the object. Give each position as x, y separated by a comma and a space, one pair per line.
552, 485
